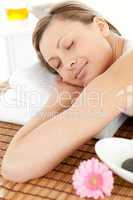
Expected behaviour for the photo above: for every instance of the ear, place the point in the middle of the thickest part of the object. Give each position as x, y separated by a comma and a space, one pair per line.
102, 25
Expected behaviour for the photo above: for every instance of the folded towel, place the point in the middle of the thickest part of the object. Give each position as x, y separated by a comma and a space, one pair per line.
30, 90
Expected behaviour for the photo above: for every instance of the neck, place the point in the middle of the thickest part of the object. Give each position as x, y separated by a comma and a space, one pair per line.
117, 43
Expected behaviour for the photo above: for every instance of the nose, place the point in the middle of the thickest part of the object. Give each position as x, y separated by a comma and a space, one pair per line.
71, 64
76, 64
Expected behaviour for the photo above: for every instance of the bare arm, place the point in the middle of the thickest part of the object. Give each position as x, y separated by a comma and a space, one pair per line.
57, 103
50, 109
65, 132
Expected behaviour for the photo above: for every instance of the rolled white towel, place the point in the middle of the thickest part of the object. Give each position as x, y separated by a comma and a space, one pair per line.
30, 89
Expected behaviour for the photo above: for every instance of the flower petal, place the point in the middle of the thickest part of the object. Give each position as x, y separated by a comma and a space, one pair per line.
93, 179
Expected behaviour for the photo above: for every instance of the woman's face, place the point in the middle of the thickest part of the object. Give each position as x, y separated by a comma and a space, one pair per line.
71, 46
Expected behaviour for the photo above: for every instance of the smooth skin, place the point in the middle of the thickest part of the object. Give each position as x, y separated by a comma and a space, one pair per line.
67, 44
43, 143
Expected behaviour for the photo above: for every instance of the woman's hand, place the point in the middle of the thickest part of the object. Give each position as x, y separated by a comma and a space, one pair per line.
67, 93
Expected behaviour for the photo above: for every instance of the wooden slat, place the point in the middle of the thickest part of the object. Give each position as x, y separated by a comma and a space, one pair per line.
10, 125
57, 184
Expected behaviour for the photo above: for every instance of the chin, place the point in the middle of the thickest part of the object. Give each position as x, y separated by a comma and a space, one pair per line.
88, 80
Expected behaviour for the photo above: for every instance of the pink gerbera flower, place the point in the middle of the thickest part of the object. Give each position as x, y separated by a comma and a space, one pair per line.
93, 179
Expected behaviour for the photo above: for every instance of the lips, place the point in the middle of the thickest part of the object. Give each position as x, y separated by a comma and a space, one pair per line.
81, 71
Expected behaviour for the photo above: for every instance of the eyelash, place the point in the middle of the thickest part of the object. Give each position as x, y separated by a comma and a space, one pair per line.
70, 45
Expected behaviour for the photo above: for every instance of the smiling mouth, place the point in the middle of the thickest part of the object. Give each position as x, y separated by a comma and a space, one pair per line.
82, 72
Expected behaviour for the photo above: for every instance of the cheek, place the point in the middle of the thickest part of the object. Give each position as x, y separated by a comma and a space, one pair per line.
104, 53
87, 46
98, 50
66, 76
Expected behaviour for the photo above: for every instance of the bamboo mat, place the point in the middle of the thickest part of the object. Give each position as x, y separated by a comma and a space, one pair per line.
57, 184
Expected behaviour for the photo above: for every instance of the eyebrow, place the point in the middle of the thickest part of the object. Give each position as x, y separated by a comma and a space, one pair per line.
57, 45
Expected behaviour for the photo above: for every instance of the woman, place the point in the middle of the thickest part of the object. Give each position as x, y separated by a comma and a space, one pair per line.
93, 64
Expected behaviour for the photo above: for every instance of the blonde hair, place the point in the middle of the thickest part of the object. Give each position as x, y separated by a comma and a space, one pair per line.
73, 10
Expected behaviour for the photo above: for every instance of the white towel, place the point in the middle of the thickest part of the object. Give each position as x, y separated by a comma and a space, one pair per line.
30, 90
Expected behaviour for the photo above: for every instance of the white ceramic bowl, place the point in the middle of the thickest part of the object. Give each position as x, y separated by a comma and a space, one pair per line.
114, 151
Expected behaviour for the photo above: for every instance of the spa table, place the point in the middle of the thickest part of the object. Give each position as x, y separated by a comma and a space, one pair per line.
57, 184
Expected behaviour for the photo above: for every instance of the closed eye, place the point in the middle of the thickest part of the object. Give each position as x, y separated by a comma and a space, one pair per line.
70, 45
55, 62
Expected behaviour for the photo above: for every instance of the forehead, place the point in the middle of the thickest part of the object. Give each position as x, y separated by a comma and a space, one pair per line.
55, 30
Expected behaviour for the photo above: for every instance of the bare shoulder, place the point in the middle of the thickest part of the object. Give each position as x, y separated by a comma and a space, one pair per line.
122, 68
104, 88
100, 90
